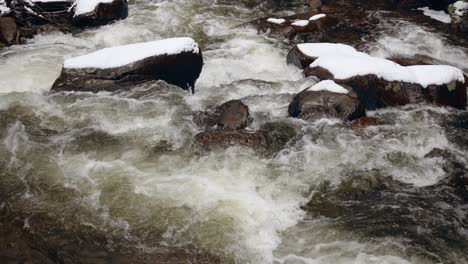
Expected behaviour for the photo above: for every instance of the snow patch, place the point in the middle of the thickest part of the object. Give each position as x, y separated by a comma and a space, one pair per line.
123, 55
441, 16
330, 86
301, 23
278, 21
86, 6
316, 50
345, 62
316, 17
460, 7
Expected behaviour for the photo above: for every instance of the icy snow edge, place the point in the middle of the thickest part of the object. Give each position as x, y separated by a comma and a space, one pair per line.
441, 16
123, 55
345, 62
330, 86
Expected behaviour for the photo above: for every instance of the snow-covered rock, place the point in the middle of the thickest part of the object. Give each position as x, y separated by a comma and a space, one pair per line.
460, 7
459, 14
326, 99
317, 17
177, 61
330, 24
98, 12
378, 81
300, 23
277, 21
330, 86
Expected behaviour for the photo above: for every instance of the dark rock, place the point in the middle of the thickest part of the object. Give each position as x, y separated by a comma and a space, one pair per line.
313, 105
233, 115
299, 59
450, 163
401, 209
269, 139
181, 69
55, 6
9, 34
230, 115
314, 3
340, 25
103, 14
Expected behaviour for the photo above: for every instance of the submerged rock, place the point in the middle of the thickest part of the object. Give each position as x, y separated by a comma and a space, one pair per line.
360, 124
269, 139
177, 61
9, 34
99, 13
371, 204
326, 99
231, 115
380, 82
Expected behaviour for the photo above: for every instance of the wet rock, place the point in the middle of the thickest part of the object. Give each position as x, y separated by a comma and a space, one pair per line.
340, 25
54, 6
181, 68
450, 164
312, 105
314, 3
298, 58
230, 115
104, 13
233, 115
376, 92
269, 139
401, 209
9, 34
360, 124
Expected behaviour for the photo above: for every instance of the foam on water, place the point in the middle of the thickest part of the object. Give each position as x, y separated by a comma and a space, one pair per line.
126, 166
403, 38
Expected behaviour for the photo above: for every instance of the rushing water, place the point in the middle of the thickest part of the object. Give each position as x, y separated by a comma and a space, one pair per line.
123, 164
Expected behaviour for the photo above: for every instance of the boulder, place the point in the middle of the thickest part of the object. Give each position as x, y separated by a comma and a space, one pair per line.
101, 12
331, 23
9, 34
177, 61
231, 115
380, 82
326, 99
269, 139
459, 14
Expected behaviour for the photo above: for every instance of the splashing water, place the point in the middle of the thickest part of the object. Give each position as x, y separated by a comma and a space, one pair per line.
121, 164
